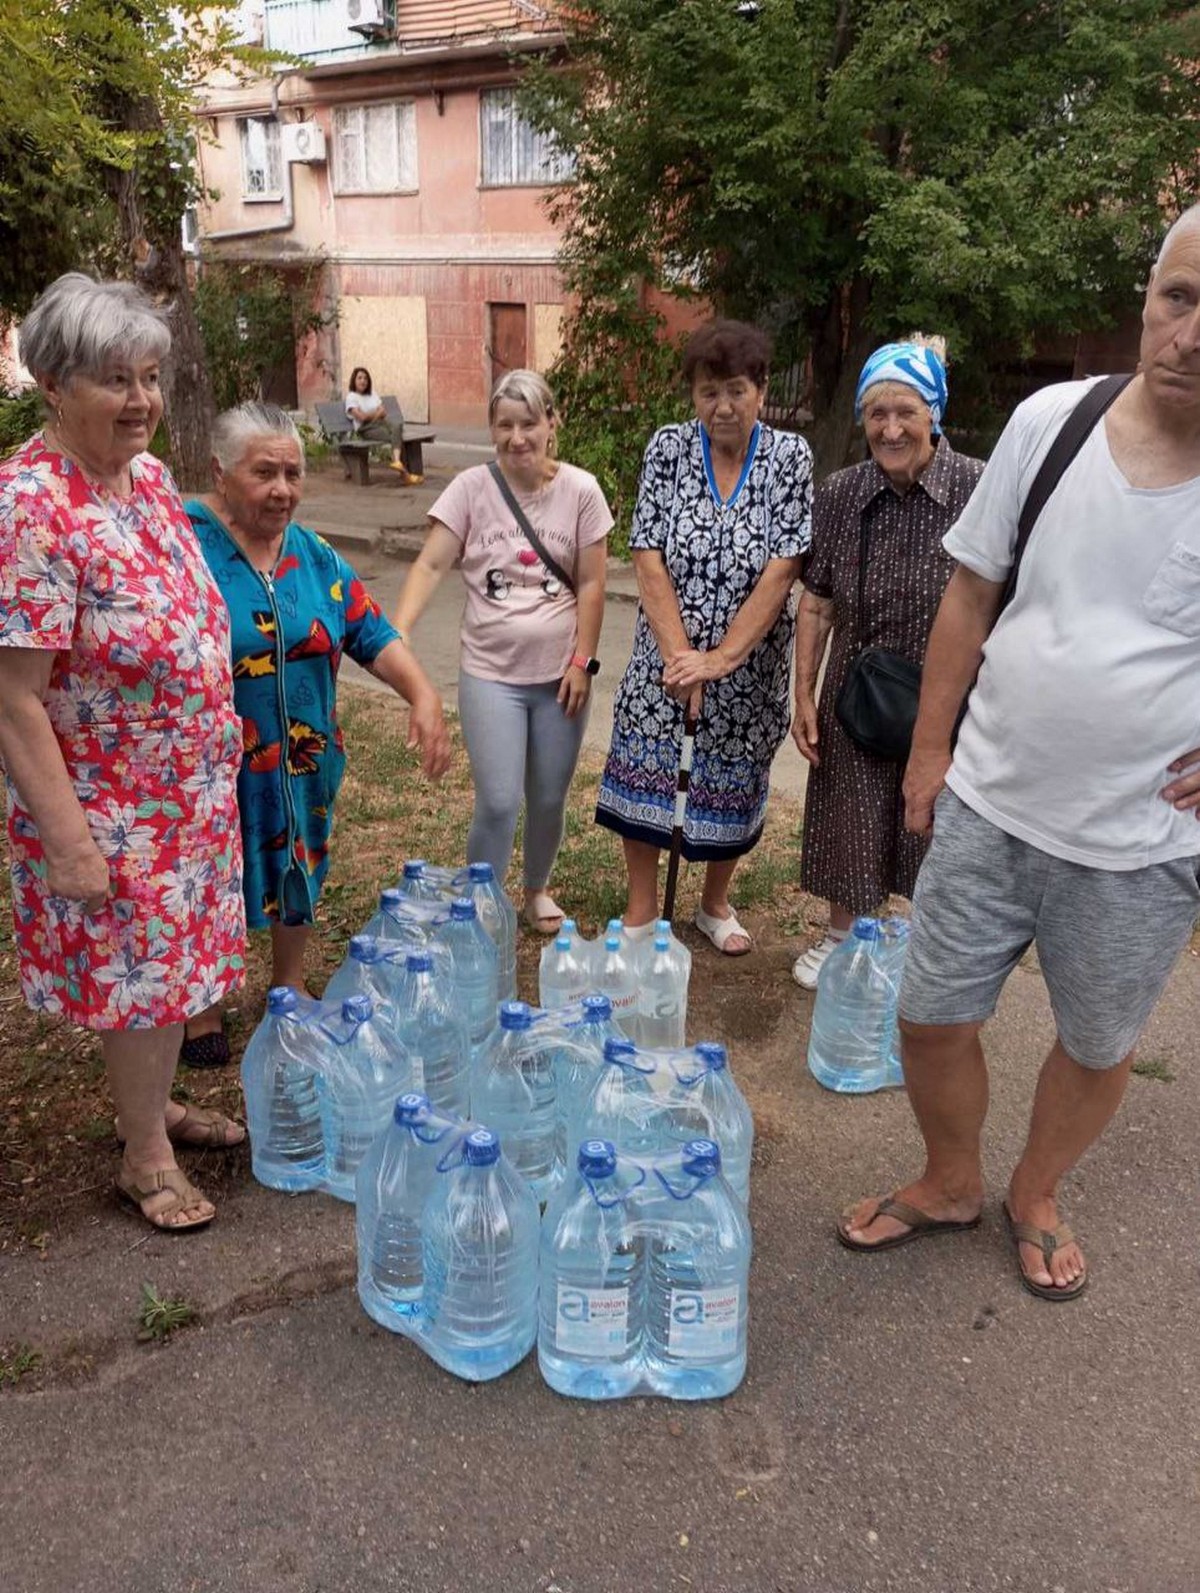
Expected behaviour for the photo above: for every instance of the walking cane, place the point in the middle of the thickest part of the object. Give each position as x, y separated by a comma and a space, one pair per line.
690, 721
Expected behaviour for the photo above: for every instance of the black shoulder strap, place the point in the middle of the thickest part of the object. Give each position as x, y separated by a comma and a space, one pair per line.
531, 536
1074, 432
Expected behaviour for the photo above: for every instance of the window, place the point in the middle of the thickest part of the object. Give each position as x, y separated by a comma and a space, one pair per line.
375, 149
262, 165
512, 151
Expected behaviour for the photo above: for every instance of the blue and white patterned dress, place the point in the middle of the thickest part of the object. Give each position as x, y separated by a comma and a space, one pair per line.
715, 552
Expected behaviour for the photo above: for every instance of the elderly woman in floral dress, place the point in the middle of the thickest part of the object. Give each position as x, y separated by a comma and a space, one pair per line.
117, 731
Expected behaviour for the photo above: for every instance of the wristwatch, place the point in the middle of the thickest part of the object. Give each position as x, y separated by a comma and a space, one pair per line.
590, 665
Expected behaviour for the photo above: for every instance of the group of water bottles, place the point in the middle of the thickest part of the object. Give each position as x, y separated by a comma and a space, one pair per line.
379, 1095
853, 1043
645, 977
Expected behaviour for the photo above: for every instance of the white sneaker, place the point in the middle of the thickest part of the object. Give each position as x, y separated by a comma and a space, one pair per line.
806, 969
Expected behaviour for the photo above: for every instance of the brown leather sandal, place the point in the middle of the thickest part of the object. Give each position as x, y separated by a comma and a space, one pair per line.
920, 1226
1025, 1233
199, 1129
168, 1180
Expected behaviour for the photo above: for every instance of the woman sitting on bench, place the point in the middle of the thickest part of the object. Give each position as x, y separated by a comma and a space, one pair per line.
370, 422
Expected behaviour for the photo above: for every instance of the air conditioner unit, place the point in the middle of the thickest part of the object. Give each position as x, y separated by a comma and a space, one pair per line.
302, 141
368, 17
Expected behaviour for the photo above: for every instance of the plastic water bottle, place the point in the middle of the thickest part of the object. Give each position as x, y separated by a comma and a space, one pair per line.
363, 1070
362, 972
592, 1279
662, 1004
706, 1102
402, 917
851, 1045
435, 1031
475, 967
697, 1272
616, 977
625, 1103
498, 917
586, 1028
392, 1184
287, 1143
413, 883
564, 972
894, 933
480, 1261
513, 1088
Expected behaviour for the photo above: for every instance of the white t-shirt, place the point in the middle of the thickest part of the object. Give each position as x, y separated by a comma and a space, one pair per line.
520, 621
363, 401
1090, 685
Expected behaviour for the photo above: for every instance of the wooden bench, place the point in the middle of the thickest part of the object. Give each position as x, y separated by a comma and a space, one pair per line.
356, 452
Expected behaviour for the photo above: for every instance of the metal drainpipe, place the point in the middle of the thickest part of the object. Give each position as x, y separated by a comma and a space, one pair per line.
288, 218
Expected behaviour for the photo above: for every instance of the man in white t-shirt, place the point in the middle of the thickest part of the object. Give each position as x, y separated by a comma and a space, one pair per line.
1067, 814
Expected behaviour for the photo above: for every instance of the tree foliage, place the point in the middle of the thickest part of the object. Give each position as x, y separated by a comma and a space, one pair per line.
251, 317
96, 164
847, 170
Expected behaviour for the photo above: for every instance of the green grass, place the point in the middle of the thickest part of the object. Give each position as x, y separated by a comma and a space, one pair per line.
18, 1361
159, 1316
1154, 1067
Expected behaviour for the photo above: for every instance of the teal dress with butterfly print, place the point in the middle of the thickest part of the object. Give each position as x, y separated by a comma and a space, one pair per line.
289, 630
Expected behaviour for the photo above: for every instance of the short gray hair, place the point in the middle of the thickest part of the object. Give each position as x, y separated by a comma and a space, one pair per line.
523, 387
235, 429
1189, 220
79, 325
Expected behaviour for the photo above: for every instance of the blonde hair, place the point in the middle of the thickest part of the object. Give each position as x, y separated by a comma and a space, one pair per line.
523, 387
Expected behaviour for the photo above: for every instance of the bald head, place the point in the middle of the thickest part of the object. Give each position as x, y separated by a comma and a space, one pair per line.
1188, 222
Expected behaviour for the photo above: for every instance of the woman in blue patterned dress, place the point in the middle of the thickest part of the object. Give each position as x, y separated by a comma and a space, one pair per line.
721, 520
295, 606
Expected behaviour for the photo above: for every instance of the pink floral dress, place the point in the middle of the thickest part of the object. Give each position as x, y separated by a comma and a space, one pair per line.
141, 700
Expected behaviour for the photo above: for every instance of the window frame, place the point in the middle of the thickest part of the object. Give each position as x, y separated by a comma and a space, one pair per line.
404, 114
557, 167
272, 147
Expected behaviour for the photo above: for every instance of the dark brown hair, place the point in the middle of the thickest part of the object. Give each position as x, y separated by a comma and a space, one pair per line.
726, 349
361, 370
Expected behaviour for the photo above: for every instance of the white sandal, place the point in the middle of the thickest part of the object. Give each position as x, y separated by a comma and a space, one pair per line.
722, 930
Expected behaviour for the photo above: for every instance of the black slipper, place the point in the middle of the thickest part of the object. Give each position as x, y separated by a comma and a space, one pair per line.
920, 1226
1024, 1233
205, 1050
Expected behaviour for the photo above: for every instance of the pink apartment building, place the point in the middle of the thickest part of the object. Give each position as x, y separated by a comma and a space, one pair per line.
395, 151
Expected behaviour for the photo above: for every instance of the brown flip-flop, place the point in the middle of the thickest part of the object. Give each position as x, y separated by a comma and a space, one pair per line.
1025, 1233
920, 1226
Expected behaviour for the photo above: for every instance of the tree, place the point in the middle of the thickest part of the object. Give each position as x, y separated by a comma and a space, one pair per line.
96, 150
847, 170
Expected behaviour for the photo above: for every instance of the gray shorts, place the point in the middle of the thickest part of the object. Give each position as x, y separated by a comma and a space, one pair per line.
1106, 941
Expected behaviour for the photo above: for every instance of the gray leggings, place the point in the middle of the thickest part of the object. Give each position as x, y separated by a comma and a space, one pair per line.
520, 744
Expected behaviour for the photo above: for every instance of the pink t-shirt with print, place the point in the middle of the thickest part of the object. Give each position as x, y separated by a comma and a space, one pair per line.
519, 624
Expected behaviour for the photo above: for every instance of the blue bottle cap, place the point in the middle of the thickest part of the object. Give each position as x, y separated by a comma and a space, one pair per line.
713, 1055
414, 868
866, 928
662, 926
410, 1108
619, 1050
480, 873
515, 1015
568, 927
596, 1009
419, 961
614, 926
392, 897
562, 942
482, 1147
702, 1157
612, 942
364, 948
462, 908
597, 1158
355, 1009
281, 999
662, 943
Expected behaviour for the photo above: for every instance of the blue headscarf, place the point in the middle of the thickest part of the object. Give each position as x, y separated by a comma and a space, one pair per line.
911, 366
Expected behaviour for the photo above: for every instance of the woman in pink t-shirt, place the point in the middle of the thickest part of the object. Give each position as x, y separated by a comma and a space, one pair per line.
530, 630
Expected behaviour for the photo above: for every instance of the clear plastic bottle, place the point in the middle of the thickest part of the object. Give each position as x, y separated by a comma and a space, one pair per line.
586, 1028
592, 1286
401, 917
513, 1088
362, 1072
283, 1111
665, 970
392, 1185
435, 1031
413, 883
475, 967
852, 1039
625, 1103
480, 1263
616, 977
894, 933
705, 1102
360, 974
498, 917
697, 1273
564, 974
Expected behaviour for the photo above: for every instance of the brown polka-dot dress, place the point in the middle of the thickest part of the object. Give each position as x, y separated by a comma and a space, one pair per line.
856, 851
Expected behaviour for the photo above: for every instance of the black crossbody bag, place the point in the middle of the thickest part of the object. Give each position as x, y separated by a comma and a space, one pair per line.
527, 531
877, 705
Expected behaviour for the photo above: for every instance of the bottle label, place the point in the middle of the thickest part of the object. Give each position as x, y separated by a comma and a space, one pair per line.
703, 1323
623, 1003
592, 1321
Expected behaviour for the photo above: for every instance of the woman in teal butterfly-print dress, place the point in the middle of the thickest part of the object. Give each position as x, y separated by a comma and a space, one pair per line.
295, 606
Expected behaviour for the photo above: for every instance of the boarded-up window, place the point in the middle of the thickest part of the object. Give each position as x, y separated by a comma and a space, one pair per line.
375, 148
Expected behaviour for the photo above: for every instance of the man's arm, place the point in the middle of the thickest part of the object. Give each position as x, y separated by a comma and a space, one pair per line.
964, 618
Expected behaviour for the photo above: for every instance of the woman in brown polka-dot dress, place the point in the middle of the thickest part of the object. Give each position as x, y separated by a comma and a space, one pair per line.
856, 851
